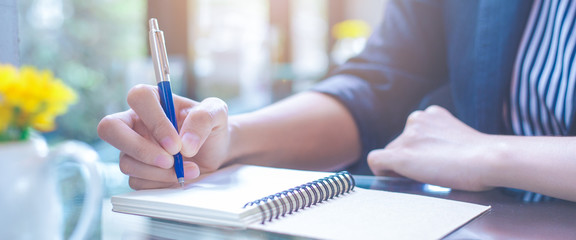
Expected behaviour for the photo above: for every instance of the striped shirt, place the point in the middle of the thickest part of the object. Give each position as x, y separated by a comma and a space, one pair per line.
542, 87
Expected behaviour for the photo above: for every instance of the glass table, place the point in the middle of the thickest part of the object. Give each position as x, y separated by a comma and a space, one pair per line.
511, 217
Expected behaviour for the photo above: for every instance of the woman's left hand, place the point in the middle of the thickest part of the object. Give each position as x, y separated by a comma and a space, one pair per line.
437, 148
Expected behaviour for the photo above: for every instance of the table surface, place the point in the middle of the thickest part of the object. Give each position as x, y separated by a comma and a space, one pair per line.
510, 217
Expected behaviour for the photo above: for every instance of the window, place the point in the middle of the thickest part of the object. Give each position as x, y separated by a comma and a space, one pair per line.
9, 36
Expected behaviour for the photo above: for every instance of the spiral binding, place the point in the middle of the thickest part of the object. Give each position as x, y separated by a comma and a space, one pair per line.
291, 200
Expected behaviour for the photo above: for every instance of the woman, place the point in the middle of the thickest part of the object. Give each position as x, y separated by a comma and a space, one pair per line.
501, 70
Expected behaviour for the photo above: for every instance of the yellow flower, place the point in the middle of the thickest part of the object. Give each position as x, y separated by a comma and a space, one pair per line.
30, 98
43, 122
6, 116
351, 29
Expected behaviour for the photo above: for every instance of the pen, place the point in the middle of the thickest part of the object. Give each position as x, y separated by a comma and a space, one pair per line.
160, 59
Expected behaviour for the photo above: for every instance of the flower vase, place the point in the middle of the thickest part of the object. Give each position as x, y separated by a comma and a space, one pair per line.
30, 201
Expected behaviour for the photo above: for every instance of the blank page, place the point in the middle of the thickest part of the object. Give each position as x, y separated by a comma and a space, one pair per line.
373, 214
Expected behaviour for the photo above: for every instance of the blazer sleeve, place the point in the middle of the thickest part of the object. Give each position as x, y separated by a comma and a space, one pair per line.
403, 60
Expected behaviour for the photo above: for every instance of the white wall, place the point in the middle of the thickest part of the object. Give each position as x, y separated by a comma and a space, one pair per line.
9, 32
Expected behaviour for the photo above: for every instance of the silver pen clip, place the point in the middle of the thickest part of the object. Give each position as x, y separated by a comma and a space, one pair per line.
158, 51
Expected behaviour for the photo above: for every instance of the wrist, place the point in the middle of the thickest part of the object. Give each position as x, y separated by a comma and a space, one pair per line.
234, 145
495, 160
240, 139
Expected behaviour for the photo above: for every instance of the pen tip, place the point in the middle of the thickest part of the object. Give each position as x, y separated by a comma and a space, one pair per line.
153, 23
181, 181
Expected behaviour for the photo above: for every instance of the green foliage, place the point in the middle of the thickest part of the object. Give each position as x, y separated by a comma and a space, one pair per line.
87, 44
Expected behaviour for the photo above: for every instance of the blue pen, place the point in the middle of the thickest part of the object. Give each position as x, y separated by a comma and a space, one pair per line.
160, 59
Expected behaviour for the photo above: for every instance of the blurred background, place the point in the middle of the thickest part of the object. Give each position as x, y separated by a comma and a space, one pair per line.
249, 53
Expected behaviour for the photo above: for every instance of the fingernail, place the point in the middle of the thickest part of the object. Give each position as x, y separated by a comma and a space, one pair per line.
190, 144
164, 161
169, 145
191, 172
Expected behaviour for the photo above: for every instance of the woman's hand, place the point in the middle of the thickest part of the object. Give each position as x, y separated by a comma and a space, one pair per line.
437, 148
147, 140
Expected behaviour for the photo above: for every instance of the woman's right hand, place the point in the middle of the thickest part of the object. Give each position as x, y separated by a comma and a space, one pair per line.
147, 140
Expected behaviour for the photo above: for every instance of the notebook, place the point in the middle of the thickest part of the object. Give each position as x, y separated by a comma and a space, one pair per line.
311, 204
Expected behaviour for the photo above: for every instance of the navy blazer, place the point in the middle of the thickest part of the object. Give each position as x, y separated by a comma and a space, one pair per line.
454, 53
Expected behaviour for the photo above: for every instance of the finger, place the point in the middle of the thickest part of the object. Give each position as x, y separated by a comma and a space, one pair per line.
141, 184
144, 100
414, 117
184, 105
414, 124
442, 117
117, 129
374, 159
436, 109
207, 118
438, 112
135, 168
381, 162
